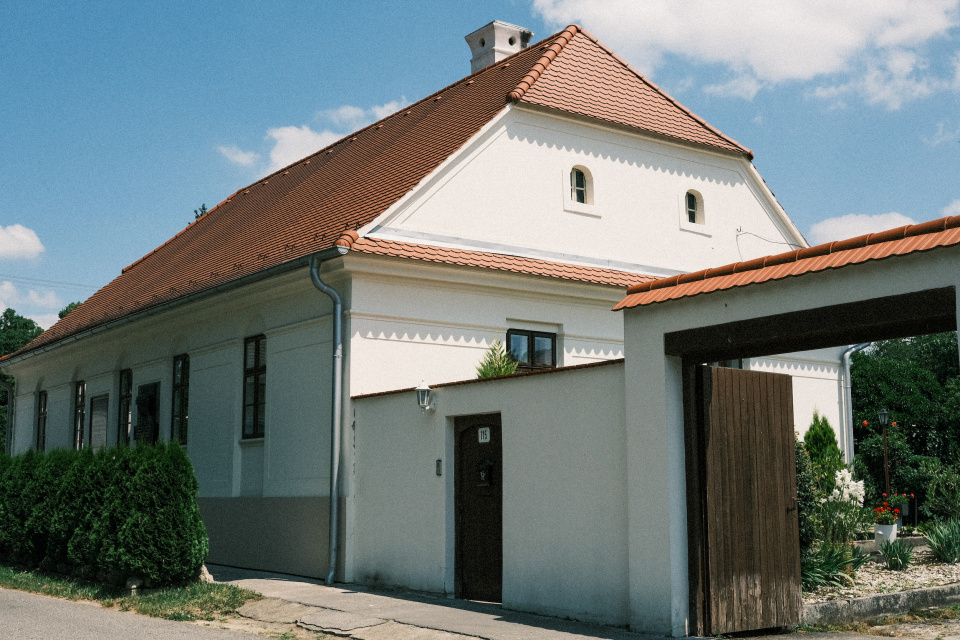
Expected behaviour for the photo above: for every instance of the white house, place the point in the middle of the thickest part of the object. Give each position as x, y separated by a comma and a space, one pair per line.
516, 204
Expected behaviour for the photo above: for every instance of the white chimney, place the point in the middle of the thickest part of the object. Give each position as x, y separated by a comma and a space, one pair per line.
494, 42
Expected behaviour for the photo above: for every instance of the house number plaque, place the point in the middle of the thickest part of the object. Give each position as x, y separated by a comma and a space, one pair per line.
483, 434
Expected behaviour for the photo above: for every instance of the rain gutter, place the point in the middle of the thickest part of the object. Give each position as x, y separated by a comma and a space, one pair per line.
847, 402
292, 265
337, 405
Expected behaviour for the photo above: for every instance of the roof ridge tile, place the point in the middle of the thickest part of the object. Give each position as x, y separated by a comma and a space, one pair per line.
560, 40
666, 95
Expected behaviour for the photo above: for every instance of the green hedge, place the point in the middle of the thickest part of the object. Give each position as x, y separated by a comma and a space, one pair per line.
120, 513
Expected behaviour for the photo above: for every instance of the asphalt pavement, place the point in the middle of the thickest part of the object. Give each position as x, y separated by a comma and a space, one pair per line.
27, 616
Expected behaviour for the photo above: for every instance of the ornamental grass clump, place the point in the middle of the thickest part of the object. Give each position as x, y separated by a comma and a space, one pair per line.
897, 554
943, 538
831, 565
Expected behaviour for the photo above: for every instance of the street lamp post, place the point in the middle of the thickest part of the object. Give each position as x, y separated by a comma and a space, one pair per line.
884, 416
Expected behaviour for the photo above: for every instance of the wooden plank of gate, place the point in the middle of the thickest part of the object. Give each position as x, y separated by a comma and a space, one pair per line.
740, 490
718, 552
794, 600
732, 417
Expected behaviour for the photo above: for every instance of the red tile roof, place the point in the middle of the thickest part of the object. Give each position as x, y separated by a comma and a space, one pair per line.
944, 232
579, 75
500, 262
305, 207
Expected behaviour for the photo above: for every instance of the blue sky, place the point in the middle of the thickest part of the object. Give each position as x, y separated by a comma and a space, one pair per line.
117, 120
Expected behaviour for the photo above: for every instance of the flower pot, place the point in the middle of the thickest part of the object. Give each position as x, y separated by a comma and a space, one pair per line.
884, 533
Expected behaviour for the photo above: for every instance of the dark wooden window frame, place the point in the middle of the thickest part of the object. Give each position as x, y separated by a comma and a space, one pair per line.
79, 413
41, 421
180, 399
531, 341
693, 207
257, 375
124, 408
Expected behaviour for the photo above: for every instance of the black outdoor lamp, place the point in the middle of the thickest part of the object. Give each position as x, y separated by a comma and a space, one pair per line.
884, 417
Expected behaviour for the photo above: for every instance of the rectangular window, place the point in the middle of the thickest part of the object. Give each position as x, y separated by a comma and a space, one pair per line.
532, 349
181, 399
254, 386
41, 421
147, 430
98, 421
79, 413
126, 402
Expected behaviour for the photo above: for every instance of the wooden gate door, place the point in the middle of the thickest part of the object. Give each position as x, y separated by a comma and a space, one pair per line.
479, 507
742, 511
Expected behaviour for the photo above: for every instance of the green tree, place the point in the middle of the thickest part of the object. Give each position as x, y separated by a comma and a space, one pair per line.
15, 332
496, 362
825, 457
67, 309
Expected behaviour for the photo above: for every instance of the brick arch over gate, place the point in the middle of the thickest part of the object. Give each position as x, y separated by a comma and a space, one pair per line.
899, 283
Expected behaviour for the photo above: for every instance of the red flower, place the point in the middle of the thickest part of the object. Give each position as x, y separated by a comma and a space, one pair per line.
884, 495
911, 495
894, 424
865, 423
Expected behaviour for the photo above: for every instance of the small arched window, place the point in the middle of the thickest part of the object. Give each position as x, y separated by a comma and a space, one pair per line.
581, 185
694, 208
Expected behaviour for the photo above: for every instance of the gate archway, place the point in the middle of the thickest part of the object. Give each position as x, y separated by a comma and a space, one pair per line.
895, 284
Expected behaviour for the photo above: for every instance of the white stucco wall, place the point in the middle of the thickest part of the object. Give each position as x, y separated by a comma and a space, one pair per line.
817, 386
564, 490
413, 321
295, 319
511, 189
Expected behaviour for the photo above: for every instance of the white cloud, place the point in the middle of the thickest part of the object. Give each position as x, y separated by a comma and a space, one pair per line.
901, 76
236, 155
45, 320
855, 224
292, 143
952, 209
350, 118
17, 241
740, 87
943, 135
12, 298
770, 42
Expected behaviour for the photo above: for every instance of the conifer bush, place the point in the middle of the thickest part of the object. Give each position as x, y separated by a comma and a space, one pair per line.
120, 513
821, 443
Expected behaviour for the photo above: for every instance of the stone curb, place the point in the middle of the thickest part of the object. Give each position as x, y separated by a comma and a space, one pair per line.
870, 607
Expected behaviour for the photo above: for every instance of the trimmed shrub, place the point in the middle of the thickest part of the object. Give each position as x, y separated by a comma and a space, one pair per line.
116, 514
161, 538
42, 494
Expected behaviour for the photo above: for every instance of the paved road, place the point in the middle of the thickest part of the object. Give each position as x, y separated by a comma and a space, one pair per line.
26, 616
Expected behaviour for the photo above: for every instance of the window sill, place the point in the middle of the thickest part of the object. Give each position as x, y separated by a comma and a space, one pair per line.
581, 208
693, 227
251, 442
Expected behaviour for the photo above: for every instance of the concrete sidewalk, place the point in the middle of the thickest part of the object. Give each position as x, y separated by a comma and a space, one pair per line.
366, 614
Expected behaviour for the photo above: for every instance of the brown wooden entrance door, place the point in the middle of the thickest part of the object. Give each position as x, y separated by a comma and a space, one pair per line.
742, 511
479, 507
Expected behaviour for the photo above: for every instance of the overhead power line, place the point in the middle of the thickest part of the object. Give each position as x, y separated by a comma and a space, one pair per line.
48, 283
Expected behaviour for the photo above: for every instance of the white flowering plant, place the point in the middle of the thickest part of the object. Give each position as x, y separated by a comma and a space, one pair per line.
841, 512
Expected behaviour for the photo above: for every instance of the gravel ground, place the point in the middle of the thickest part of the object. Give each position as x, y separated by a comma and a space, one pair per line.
874, 578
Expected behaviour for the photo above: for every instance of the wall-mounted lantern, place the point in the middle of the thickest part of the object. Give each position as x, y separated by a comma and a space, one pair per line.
424, 396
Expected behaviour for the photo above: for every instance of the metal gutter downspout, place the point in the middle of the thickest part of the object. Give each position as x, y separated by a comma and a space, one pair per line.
335, 421
847, 402
8, 442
